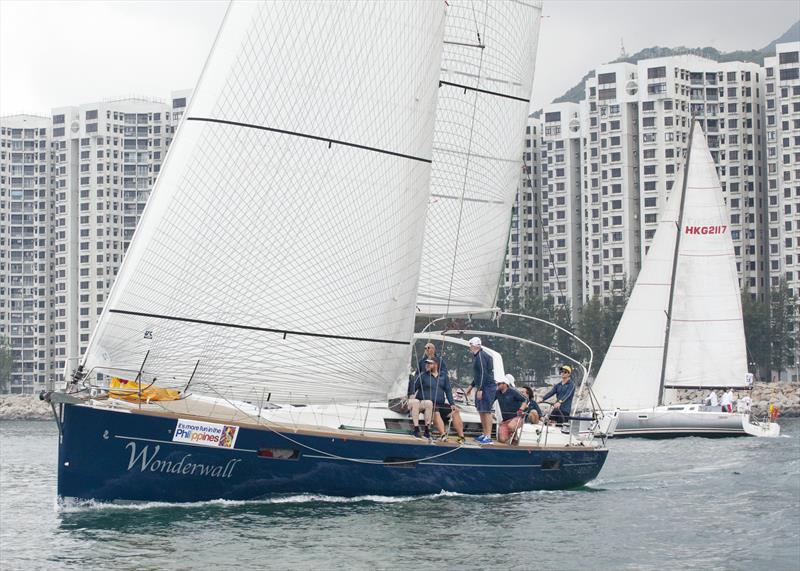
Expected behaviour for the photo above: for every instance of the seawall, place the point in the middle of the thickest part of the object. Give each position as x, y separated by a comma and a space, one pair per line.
784, 395
24, 407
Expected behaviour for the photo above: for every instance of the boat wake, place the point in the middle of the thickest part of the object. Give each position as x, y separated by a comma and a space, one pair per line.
71, 505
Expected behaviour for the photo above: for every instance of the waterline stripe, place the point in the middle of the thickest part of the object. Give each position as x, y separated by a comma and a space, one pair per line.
182, 443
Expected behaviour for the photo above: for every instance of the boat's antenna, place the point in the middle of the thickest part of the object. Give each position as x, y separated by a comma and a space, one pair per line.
679, 224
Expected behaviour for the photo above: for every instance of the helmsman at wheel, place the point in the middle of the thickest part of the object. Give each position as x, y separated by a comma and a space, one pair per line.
564, 391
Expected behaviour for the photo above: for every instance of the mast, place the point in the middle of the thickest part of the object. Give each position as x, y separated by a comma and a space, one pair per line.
675, 266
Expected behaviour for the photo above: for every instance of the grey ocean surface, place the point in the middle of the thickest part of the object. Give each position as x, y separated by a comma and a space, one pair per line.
689, 503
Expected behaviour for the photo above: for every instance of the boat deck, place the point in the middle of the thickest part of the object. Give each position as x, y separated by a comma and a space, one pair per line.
229, 413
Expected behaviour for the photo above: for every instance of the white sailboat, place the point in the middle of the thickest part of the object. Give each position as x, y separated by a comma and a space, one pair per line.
682, 327
273, 279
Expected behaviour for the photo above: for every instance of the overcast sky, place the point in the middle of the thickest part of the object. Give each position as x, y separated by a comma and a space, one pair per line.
55, 53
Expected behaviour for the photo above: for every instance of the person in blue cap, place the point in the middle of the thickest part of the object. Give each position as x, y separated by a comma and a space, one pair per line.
485, 387
564, 391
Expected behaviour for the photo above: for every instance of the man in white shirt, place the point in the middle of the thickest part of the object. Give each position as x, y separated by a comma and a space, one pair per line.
744, 404
727, 401
711, 399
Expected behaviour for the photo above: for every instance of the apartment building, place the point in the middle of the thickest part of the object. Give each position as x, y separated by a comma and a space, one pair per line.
782, 117
26, 207
523, 270
562, 269
726, 99
106, 158
611, 226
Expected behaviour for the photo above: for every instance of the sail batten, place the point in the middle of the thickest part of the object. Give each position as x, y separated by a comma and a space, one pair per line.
281, 244
306, 136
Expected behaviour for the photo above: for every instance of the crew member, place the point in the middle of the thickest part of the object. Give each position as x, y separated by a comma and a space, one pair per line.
512, 408
444, 408
533, 410
483, 383
430, 353
564, 392
420, 395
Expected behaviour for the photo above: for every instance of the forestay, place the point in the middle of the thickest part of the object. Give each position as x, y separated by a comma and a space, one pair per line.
280, 247
486, 79
706, 344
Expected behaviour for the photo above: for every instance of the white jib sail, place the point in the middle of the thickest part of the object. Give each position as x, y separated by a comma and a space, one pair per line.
706, 340
486, 80
630, 375
280, 247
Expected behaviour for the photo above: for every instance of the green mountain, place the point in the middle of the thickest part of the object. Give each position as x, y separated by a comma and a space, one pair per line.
791, 35
576, 93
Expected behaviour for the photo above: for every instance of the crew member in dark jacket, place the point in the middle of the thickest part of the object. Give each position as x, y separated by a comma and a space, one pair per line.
420, 395
444, 407
564, 391
485, 386
512, 408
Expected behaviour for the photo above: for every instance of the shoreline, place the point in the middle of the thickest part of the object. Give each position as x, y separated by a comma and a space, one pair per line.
785, 395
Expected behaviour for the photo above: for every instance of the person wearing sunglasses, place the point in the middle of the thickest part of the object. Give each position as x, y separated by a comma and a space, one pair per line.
563, 391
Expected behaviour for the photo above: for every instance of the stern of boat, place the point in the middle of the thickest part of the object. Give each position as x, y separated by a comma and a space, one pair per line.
753, 427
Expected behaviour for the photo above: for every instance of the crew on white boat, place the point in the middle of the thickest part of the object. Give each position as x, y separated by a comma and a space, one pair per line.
512, 409
727, 401
485, 387
534, 412
712, 399
744, 405
564, 392
430, 353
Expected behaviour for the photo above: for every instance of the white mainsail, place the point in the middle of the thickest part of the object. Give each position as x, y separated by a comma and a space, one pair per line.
706, 339
706, 344
486, 81
280, 247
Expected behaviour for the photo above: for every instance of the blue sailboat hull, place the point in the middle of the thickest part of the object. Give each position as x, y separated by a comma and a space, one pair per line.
109, 455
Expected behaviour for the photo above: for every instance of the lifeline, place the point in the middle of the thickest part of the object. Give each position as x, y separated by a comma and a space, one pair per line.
181, 467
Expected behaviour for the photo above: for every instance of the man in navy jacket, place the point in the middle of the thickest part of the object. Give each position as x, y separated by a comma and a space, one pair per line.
564, 391
486, 389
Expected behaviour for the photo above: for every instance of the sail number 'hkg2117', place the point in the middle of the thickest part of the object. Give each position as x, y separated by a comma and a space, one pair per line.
706, 229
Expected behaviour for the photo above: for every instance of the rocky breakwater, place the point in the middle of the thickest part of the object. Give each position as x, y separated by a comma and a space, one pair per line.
24, 407
784, 395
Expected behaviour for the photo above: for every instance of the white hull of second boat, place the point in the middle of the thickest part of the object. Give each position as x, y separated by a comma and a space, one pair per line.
689, 420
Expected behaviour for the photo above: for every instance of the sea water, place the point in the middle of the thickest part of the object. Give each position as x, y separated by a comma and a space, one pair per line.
688, 503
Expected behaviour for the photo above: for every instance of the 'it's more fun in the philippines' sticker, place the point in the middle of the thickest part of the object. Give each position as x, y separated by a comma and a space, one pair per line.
205, 433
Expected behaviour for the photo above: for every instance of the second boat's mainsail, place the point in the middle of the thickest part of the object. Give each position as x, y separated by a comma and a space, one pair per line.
705, 344
280, 248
